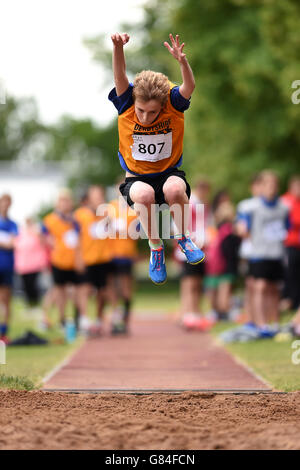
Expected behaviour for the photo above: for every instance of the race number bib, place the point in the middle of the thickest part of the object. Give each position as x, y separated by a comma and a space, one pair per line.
71, 239
152, 148
274, 231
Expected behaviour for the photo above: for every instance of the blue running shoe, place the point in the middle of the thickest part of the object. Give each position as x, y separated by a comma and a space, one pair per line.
193, 254
267, 331
157, 267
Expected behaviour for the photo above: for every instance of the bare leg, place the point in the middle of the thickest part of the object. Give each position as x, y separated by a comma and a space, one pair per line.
174, 190
126, 285
126, 288
100, 298
248, 302
224, 296
110, 291
49, 300
61, 300
185, 301
273, 300
259, 301
190, 291
5, 298
212, 296
296, 318
142, 194
83, 292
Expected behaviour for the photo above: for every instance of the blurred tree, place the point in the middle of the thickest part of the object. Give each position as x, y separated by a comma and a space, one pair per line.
18, 125
245, 56
88, 150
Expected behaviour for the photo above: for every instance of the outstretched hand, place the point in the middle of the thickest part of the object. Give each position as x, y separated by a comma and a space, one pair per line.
176, 49
120, 39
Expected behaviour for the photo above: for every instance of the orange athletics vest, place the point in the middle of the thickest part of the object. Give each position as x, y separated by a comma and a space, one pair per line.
153, 148
94, 250
121, 218
65, 240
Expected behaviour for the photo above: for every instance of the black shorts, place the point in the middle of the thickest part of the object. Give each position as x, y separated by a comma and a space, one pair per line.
82, 278
156, 182
123, 266
270, 270
6, 278
61, 277
97, 274
196, 270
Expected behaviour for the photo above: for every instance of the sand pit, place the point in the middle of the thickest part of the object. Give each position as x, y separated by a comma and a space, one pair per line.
52, 420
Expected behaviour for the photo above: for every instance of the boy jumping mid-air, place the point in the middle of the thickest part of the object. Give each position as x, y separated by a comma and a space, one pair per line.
151, 128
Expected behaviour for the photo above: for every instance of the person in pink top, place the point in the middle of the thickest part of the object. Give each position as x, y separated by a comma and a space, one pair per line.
30, 259
222, 261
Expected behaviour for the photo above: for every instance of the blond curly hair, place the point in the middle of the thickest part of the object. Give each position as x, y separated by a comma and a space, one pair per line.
149, 85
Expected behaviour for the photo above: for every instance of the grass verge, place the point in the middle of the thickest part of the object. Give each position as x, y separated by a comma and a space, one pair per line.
16, 383
268, 358
26, 366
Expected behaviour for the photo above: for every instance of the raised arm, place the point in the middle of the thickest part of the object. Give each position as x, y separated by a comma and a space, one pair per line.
119, 65
188, 81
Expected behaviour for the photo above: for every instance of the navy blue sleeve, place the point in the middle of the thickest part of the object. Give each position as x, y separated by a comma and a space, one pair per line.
122, 102
288, 224
178, 101
45, 231
246, 218
14, 229
76, 226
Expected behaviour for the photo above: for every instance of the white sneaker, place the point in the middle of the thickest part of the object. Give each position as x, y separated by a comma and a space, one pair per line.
84, 324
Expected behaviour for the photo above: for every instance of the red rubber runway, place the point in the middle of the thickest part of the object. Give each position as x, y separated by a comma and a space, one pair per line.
156, 356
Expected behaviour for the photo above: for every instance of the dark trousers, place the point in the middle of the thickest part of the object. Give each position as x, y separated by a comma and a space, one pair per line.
293, 276
30, 284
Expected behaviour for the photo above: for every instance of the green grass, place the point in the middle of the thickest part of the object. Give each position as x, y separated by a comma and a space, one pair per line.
269, 359
26, 366
32, 363
16, 383
156, 299
272, 361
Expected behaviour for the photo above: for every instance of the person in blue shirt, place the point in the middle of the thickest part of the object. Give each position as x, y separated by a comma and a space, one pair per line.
8, 232
265, 220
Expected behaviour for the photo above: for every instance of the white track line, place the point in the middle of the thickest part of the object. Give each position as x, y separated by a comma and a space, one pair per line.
60, 365
240, 362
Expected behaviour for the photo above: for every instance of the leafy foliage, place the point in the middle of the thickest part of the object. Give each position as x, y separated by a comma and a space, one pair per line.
244, 54
245, 57
88, 150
